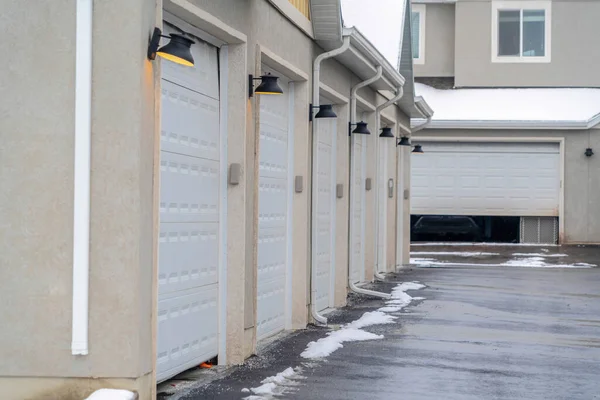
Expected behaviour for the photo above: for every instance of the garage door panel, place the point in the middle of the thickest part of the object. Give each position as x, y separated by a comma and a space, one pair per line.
272, 259
186, 256
186, 335
190, 123
487, 179
270, 307
189, 188
273, 141
272, 208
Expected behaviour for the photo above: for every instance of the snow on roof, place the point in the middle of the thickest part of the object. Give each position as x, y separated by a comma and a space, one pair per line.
532, 108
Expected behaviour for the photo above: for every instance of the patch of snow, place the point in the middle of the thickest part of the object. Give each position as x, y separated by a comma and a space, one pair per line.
274, 385
389, 309
372, 318
454, 253
245, 390
449, 264
264, 389
404, 286
333, 341
422, 261
399, 297
112, 394
561, 104
538, 254
526, 262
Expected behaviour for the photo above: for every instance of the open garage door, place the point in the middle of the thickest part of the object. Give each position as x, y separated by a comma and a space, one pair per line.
499, 179
190, 187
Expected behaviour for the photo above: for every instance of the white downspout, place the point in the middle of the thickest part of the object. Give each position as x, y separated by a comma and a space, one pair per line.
81, 200
353, 92
315, 143
380, 256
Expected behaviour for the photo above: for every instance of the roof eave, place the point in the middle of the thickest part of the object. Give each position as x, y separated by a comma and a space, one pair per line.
499, 124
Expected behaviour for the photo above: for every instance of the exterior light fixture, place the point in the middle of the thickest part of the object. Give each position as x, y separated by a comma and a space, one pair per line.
404, 141
361, 127
418, 149
268, 85
589, 152
177, 50
325, 111
386, 133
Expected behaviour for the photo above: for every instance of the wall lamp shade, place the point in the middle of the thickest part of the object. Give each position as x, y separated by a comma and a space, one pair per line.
589, 152
404, 141
326, 111
361, 127
386, 133
418, 149
268, 85
178, 50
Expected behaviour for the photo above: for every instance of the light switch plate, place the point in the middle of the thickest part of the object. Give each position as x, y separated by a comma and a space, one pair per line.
299, 184
235, 174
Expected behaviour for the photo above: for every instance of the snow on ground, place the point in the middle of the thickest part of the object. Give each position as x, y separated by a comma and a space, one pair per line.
372, 318
454, 253
274, 385
521, 262
333, 341
538, 254
112, 394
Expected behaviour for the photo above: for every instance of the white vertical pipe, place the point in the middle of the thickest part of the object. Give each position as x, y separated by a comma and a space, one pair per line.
81, 201
379, 253
352, 162
315, 147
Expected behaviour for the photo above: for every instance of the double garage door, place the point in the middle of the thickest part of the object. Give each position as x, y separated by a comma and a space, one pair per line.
490, 179
191, 189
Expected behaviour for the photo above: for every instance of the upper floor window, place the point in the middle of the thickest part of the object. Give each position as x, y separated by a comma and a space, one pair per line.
418, 33
521, 31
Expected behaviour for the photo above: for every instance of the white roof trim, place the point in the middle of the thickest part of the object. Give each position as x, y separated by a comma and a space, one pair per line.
529, 125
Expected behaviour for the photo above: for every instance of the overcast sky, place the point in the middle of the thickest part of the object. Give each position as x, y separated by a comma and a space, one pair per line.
379, 21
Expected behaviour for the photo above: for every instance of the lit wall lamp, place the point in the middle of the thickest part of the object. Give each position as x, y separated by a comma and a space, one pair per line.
268, 85
325, 111
589, 152
361, 127
386, 133
177, 50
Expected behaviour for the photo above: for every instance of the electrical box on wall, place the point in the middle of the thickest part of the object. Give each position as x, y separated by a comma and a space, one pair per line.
390, 188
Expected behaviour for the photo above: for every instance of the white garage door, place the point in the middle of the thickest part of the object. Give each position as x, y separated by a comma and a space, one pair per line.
357, 207
499, 179
324, 215
275, 167
190, 184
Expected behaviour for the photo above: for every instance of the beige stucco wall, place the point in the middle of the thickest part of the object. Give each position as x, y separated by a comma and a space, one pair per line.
575, 53
581, 182
439, 41
36, 205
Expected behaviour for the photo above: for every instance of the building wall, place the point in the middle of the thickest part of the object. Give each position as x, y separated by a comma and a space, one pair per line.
36, 203
575, 53
439, 41
581, 189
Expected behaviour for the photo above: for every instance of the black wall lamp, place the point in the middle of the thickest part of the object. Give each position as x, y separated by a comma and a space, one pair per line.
325, 111
418, 149
404, 141
361, 127
268, 85
177, 50
386, 133
589, 152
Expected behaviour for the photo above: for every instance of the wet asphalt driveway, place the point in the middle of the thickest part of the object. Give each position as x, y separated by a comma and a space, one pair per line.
481, 333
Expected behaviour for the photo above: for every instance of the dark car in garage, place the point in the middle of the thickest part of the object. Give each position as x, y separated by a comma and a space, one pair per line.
452, 227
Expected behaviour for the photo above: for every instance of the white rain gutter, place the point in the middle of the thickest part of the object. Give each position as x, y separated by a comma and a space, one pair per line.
353, 92
423, 125
315, 143
81, 199
378, 110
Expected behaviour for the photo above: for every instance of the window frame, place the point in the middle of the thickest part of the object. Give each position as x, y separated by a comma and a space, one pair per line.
422, 11
521, 6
